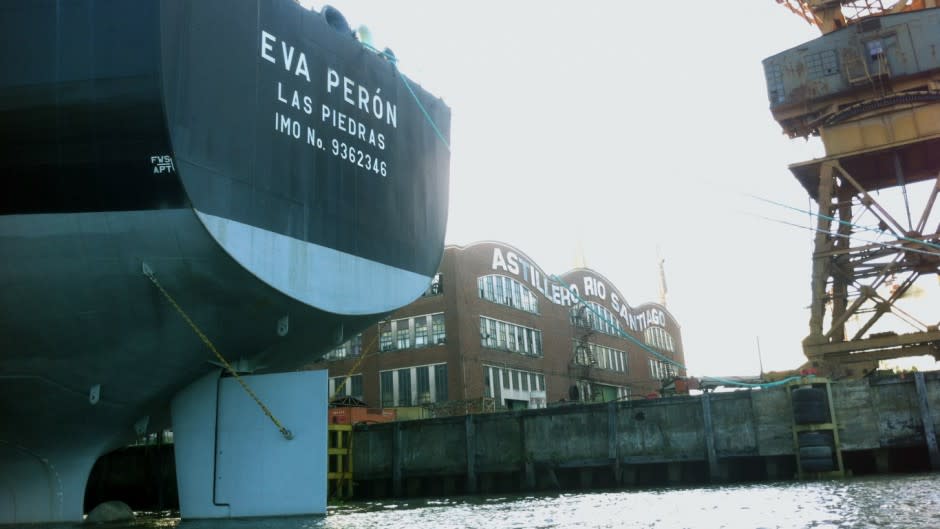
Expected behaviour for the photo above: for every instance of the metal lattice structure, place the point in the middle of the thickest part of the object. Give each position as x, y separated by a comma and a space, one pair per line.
857, 285
870, 89
830, 15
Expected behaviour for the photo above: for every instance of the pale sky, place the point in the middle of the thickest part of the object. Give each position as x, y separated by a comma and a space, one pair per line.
639, 125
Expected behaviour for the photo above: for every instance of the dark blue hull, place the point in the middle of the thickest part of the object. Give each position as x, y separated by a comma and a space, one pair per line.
281, 181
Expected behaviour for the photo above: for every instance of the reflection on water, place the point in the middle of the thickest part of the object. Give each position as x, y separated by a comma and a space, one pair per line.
901, 502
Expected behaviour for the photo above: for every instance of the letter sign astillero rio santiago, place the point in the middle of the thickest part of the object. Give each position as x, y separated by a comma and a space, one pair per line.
514, 264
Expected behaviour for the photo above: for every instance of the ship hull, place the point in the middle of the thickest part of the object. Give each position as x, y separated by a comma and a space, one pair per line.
148, 136
113, 333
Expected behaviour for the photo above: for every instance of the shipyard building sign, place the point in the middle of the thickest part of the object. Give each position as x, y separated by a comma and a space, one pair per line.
589, 287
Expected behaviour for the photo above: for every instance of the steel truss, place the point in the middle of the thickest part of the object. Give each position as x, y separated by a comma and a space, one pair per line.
861, 282
830, 15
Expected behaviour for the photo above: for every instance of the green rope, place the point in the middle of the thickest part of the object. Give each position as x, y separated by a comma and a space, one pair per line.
885, 245
394, 60
843, 222
776, 383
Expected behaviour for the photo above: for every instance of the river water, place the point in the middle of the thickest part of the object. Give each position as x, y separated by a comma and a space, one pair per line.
902, 502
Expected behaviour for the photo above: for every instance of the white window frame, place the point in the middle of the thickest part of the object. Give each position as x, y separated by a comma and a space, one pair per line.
495, 333
415, 398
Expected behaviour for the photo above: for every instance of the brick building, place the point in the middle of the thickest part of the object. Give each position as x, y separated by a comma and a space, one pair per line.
495, 330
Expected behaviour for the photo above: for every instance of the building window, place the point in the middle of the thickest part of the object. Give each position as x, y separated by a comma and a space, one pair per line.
385, 337
405, 333
595, 316
350, 386
404, 387
498, 334
355, 384
593, 392
437, 286
438, 336
661, 370
349, 349
387, 388
775, 87
412, 386
355, 345
583, 355
440, 382
514, 387
423, 384
488, 332
659, 338
616, 360
601, 356
507, 291
821, 64
421, 332
336, 354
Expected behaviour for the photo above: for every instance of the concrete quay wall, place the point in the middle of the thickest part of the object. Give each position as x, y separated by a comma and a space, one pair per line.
743, 435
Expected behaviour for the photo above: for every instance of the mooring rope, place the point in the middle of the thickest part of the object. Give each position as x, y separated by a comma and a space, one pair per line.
427, 116
205, 339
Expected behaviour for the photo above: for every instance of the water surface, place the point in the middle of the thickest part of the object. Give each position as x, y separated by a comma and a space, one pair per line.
901, 502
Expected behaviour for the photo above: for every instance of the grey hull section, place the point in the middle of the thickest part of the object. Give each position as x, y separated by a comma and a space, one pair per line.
286, 185
91, 348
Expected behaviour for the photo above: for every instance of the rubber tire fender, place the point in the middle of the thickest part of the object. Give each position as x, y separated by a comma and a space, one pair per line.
808, 395
809, 406
815, 439
817, 464
815, 452
810, 413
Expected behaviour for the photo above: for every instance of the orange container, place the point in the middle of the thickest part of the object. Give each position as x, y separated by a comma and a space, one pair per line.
354, 415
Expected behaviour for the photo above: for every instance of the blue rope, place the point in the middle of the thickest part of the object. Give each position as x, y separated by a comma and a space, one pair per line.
394, 60
660, 356
843, 222
783, 382
423, 110
885, 245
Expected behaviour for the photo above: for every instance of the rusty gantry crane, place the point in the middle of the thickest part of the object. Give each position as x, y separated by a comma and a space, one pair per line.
869, 87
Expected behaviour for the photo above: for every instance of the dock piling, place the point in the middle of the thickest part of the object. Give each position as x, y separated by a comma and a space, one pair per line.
396, 460
930, 435
471, 455
714, 473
